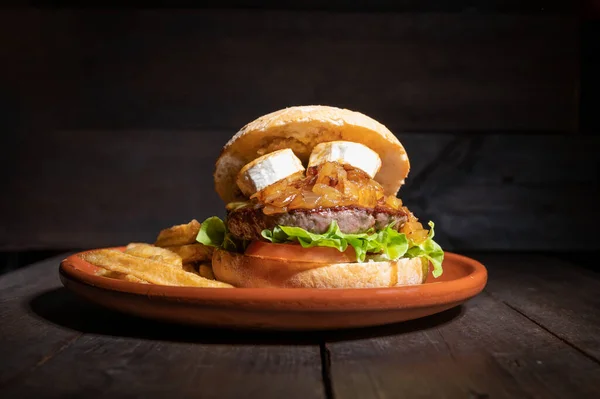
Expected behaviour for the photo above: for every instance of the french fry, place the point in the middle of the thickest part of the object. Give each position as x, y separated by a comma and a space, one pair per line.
178, 235
108, 273
120, 276
190, 268
149, 251
152, 271
192, 252
134, 279
206, 271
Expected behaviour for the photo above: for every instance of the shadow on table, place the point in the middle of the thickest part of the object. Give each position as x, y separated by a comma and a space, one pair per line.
63, 308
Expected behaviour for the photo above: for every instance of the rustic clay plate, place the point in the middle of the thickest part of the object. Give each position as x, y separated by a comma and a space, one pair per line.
279, 308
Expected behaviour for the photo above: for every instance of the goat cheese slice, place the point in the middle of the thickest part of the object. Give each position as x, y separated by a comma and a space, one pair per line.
346, 152
268, 169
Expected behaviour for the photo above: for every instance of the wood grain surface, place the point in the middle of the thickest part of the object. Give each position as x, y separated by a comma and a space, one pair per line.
221, 69
488, 351
506, 6
557, 295
54, 345
531, 334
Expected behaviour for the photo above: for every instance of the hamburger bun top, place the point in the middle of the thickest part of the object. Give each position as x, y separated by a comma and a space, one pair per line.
300, 129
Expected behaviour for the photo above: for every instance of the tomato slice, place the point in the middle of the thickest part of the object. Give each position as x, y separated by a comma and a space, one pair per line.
296, 252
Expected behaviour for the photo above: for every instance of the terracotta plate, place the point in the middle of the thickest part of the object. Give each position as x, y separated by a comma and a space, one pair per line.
279, 308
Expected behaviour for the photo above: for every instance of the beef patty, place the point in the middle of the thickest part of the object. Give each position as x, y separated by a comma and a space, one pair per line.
248, 222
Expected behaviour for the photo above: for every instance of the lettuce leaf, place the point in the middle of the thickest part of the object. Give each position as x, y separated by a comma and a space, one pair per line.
213, 233
387, 244
429, 249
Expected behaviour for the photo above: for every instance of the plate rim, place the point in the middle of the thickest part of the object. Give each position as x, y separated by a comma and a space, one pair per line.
459, 289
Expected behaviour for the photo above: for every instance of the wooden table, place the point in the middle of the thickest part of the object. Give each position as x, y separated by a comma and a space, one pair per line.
533, 333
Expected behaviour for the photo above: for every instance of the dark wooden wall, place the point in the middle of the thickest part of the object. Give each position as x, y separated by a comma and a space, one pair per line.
112, 120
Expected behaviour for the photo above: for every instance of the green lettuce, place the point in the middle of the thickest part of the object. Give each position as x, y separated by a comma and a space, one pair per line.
430, 250
213, 233
387, 244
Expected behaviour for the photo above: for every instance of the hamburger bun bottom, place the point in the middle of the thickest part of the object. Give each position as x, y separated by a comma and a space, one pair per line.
257, 272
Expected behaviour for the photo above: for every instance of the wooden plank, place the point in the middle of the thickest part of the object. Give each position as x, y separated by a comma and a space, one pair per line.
500, 192
214, 68
8, 261
102, 366
140, 181
16, 259
52, 343
79, 189
590, 63
488, 351
516, 6
556, 294
26, 340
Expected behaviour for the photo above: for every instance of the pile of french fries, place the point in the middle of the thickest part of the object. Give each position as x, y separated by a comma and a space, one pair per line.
174, 259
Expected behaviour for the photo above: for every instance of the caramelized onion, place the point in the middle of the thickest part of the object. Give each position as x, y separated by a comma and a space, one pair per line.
413, 228
327, 185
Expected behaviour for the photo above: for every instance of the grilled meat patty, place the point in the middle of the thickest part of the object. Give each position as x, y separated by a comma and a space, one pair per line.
248, 222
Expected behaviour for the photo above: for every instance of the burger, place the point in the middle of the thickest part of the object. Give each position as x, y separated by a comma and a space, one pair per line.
310, 196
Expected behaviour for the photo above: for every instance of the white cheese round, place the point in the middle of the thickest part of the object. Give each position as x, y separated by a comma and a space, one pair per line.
268, 169
346, 152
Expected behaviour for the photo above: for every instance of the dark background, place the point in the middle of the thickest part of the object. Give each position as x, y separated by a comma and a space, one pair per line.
112, 118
